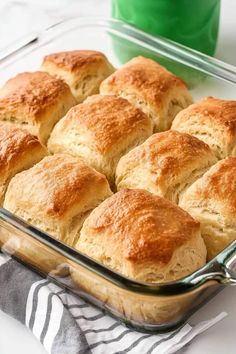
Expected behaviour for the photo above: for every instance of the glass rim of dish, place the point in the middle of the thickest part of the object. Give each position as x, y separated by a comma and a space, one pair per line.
157, 44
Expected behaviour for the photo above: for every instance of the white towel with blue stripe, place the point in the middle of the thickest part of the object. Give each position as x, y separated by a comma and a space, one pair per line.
66, 324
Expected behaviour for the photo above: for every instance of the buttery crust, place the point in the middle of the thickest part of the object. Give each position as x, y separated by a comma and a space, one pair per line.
19, 150
35, 101
165, 164
82, 70
212, 201
76, 59
142, 236
150, 87
56, 195
212, 120
100, 131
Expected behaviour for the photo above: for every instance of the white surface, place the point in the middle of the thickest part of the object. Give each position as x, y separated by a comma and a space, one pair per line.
14, 337
226, 49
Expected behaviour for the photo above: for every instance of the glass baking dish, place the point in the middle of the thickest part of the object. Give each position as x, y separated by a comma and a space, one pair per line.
146, 307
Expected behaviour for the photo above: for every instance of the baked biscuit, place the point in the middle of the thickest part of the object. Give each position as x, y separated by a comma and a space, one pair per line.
19, 150
212, 201
82, 70
143, 237
165, 164
35, 101
56, 195
150, 87
100, 130
212, 120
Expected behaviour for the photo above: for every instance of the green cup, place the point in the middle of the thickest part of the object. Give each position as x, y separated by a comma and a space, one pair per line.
192, 23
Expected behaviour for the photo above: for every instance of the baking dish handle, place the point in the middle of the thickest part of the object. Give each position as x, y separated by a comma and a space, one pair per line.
227, 261
221, 269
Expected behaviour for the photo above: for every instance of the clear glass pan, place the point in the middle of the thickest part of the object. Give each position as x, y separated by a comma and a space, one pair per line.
147, 307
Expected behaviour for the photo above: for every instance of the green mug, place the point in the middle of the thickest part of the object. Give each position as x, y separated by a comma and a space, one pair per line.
192, 23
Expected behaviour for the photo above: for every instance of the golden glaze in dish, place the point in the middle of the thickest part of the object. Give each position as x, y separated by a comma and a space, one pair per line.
143, 236
35, 101
150, 87
212, 120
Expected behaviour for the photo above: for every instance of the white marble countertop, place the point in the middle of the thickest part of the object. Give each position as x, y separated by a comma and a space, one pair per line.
14, 337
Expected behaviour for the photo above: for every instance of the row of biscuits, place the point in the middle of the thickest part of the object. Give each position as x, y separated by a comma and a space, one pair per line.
138, 233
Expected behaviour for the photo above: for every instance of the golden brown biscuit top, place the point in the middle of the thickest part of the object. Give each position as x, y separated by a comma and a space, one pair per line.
146, 227
168, 153
32, 93
146, 77
108, 118
14, 143
54, 185
219, 186
212, 110
76, 59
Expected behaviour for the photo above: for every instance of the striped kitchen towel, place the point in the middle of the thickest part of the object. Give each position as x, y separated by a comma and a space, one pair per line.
66, 324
